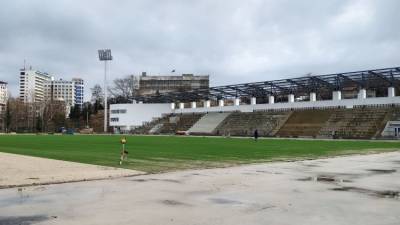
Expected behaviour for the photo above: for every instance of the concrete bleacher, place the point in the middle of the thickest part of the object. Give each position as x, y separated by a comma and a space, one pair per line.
245, 123
208, 123
179, 123
305, 123
359, 123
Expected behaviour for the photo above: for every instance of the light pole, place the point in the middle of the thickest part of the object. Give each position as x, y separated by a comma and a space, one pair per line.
105, 55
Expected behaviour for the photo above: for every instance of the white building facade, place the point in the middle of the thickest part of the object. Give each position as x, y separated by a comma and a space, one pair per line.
32, 85
125, 117
128, 116
3, 95
36, 86
60, 90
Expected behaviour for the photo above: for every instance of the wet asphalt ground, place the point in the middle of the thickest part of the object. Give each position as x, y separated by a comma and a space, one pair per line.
352, 190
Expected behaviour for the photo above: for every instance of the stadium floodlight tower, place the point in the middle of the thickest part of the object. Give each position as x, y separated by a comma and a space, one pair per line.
105, 55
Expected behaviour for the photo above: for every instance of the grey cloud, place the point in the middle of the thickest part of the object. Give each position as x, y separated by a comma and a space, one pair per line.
233, 41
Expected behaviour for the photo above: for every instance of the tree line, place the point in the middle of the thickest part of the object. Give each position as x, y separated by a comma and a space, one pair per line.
51, 115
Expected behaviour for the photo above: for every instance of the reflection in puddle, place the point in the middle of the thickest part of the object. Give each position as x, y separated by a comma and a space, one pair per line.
225, 201
381, 194
324, 178
380, 171
23, 220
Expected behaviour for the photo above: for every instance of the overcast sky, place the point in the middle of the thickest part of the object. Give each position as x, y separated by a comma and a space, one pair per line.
232, 41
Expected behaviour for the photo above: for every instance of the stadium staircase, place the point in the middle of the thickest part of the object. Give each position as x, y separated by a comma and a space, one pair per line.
151, 127
305, 123
179, 123
245, 123
358, 123
207, 124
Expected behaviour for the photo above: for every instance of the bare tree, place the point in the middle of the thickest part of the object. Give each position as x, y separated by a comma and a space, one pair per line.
53, 115
97, 94
126, 87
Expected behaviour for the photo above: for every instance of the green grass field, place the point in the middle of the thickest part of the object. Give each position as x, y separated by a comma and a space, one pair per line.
163, 153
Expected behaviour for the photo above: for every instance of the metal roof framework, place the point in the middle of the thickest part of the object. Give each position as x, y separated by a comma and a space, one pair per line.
301, 86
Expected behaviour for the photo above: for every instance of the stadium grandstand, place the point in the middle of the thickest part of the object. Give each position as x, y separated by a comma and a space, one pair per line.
361, 105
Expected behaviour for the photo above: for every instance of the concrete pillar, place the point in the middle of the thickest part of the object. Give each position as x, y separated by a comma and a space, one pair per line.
313, 97
253, 101
271, 99
193, 105
362, 94
337, 95
291, 98
237, 101
391, 92
207, 104
221, 103
173, 105
181, 105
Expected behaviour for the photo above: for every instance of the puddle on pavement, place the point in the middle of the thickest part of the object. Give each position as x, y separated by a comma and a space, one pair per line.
381, 171
311, 165
254, 208
22, 220
324, 178
249, 173
380, 194
225, 201
268, 172
173, 203
153, 179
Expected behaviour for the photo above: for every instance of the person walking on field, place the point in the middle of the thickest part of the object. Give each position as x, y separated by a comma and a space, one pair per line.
124, 153
256, 135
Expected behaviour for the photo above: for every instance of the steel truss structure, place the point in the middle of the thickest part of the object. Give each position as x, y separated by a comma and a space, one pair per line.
323, 85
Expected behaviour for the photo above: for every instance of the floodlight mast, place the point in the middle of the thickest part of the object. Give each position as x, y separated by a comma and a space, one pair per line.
105, 55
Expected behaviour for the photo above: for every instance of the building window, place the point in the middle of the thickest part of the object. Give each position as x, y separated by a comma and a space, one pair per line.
118, 111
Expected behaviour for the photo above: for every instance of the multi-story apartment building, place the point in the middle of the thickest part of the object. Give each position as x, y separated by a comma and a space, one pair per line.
79, 88
36, 86
32, 85
71, 92
149, 85
3, 95
60, 90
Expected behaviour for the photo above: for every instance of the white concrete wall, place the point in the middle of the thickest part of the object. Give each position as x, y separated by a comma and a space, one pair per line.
362, 94
391, 92
221, 102
137, 114
313, 96
271, 99
253, 101
348, 103
207, 104
291, 98
337, 95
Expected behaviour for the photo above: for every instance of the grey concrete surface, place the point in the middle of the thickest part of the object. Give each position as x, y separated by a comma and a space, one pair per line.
352, 190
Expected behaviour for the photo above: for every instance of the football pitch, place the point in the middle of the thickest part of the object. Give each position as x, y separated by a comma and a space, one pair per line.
155, 154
